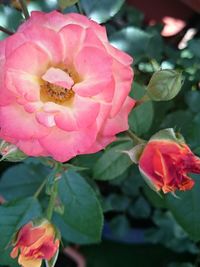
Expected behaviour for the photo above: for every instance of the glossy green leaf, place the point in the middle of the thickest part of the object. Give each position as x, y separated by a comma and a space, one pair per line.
66, 3
112, 163
82, 220
132, 183
22, 180
117, 202
193, 99
155, 200
119, 226
140, 208
138, 43
9, 18
186, 209
178, 120
141, 117
12, 216
194, 47
101, 11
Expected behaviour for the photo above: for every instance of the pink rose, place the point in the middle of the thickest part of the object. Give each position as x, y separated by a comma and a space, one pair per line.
63, 88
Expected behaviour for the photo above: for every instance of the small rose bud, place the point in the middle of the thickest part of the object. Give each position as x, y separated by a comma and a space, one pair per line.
35, 242
10, 152
166, 161
164, 85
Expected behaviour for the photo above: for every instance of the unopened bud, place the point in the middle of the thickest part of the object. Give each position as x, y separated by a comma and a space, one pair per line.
10, 152
27, 239
164, 85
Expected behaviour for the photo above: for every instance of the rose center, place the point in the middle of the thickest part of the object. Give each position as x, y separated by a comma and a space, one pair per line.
55, 93
56, 86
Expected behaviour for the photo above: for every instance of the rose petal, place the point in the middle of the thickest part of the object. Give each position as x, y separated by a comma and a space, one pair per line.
72, 37
119, 123
20, 59
58, 77
32, 148
123, 81
47, 40
17, 123
95, 69
65, 145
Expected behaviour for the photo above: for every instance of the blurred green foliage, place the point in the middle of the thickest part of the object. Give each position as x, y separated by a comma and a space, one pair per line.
108, 180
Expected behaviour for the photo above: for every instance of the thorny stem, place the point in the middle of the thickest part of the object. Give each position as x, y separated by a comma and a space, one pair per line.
134, 137
24, 8
6, 30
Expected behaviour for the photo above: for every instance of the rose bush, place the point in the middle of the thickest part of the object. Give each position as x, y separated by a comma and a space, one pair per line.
35, 243
63, 88
165, 162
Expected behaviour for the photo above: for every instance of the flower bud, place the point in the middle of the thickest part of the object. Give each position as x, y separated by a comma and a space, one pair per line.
35, 242
165, 162
10, 152
164, 85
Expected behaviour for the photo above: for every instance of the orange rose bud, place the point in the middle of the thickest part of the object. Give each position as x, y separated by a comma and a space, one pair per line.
165, 162
35, 243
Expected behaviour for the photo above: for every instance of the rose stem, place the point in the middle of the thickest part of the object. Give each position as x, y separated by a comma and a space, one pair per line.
24, 9
39, 190
52, 200
6, 30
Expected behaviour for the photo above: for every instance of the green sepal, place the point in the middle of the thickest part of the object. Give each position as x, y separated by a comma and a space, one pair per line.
52, 261
168, 134
135, 152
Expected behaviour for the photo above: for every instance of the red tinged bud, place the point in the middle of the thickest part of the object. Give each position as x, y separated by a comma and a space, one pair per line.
166, 162
35, 243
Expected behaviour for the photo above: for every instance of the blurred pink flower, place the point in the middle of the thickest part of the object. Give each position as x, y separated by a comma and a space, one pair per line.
63, 88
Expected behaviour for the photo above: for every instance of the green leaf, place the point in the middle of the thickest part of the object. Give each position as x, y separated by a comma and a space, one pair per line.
117, 202
66, 3
82, 220
12, 216
140, 208
101, 11
9, 18
134, 16
193, 100
21, 180
194, 47
138, 43
119, 226
141, 117
186, 209
178, 120
154, 199
132, 40
134, 178
112, 163
169, 233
